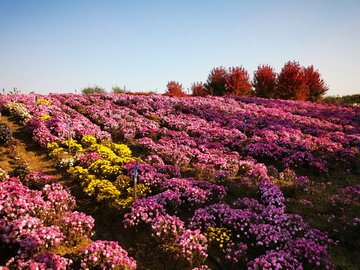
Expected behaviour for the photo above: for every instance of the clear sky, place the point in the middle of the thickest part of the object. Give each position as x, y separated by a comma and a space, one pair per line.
62, 45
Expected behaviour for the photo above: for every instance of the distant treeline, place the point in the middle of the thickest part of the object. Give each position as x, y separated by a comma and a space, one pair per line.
293, 82
347, 99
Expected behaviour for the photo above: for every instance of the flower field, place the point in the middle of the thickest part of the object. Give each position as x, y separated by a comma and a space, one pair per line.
248, 183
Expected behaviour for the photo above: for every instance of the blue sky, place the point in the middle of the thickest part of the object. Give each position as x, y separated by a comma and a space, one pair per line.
59, 46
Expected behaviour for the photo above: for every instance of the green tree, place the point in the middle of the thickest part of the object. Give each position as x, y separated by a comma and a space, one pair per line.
92, 90
116, 90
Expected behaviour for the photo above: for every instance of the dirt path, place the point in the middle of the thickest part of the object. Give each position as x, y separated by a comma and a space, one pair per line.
29, 150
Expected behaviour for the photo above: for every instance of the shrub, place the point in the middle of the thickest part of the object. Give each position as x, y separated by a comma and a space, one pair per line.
92, 90
21, 171
5, 133
198, 89
117, 90
175, 88
38, 179
3, 174
47, 260
106, 255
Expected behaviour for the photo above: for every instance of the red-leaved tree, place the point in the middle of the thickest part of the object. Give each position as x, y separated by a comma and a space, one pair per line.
292, 82
216, 82
265, 81
175, 89
238, 82
198, 89
316, 85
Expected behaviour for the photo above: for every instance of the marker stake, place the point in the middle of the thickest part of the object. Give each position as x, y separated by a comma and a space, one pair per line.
135, 181
68, 130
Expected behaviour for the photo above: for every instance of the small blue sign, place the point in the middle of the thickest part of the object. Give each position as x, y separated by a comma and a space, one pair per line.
170, 104
245, 123
135, 169
68, 126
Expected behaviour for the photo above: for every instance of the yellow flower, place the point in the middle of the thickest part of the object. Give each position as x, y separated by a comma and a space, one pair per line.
122, 182
104, 168
141, 189
88, 140
218, 236
107, 153
52, 146
87, 179
103, 190
43, 101
56, 152
45, 116
78, 172
125, 203
73, 145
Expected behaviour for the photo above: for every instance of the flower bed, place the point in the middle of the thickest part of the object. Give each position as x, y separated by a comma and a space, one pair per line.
250, 143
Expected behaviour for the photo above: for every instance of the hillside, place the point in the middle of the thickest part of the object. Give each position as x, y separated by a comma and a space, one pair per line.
255, 183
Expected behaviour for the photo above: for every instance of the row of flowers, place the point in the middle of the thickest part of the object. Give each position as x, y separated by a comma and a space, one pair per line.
221, 123
47, 119
35, 224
